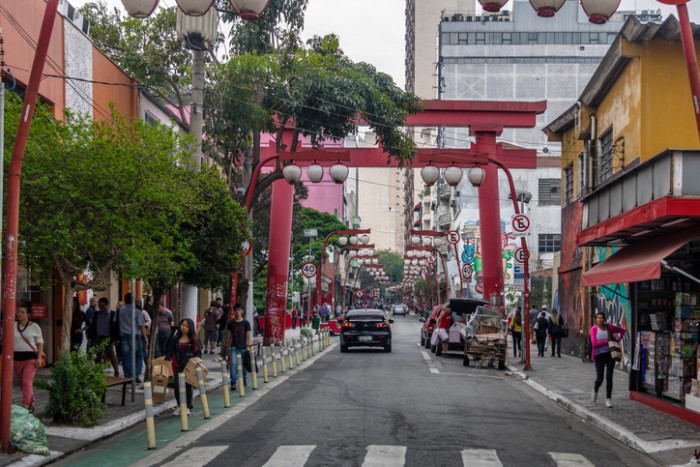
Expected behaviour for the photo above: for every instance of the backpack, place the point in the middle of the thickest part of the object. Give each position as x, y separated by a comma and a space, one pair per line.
210, 319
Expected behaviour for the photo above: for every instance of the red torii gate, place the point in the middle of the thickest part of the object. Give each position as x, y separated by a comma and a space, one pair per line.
485, 119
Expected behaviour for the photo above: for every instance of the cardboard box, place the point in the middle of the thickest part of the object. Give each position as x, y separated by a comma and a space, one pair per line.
191, 373
162, 367
159, 387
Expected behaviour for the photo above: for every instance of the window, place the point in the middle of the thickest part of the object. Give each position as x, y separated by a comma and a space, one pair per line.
606, 156
480, 38
581, 174
507, 39
549, 191
150, 118
548, 243
569, 182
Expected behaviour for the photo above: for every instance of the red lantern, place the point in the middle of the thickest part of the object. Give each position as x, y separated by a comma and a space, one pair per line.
546, 8
140, 8
599, 11
249, 9
492, 6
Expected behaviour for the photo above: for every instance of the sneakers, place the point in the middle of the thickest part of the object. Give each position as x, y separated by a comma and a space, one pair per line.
189, 412
594, 399
233, 387
176, 412
608, 403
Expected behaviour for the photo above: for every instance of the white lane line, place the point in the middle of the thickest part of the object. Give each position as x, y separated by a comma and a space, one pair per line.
426, 355
480, 458
434, 370
196, 456
290, 456
567, 459
385, 456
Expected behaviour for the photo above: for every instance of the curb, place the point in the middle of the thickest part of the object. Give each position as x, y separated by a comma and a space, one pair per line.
102, 431
616, 431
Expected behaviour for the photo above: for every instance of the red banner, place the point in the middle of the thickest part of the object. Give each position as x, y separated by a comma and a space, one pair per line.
40, 311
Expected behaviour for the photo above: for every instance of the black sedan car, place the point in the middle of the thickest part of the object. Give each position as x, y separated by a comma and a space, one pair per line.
365, 328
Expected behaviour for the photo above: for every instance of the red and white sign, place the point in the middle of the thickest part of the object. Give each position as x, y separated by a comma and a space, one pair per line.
246, 247
40, 311
453, 237
359, 294
308, 269
467, 271
521, 224
521, 256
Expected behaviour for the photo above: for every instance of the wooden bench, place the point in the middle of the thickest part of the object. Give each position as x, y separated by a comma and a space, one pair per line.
116, 381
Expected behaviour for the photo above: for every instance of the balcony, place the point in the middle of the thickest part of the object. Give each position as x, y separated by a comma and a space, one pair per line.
444, 220
444, 192
653, 196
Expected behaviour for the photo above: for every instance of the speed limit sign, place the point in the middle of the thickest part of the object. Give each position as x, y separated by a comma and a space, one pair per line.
308, 269
467, 271
453, 237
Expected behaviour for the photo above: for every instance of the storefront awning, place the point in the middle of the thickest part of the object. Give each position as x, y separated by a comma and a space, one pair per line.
417, 207
639, 261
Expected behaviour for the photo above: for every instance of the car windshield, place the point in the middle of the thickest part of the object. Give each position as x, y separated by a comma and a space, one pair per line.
369, 313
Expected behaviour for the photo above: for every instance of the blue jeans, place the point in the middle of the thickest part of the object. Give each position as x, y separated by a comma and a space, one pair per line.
235, 355
126, 355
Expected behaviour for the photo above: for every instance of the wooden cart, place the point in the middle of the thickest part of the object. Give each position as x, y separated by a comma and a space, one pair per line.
486, 340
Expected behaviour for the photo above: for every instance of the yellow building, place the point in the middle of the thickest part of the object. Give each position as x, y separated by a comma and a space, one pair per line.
631, 216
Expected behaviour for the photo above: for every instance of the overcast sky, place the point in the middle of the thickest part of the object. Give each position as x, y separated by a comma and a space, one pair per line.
373, 30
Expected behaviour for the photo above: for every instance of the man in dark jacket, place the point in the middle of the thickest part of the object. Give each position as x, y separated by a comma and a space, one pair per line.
100, 330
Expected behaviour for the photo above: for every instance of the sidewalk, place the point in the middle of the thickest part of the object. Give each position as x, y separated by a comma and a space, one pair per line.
64, 439
569, 383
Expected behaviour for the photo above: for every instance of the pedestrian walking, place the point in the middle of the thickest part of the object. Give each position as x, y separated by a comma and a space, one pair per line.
99, 334
211, 331
541, 326
556, 326
516, 330
28, 353
131, 321
147, 324
443, 325
237, 341
295, 315
165, 322
316, 322
77, 326
182, 347
91, 310
602, 334
221, 324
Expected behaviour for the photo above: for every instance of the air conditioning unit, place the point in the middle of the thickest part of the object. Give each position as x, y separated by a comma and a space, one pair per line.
457, 193
453, 203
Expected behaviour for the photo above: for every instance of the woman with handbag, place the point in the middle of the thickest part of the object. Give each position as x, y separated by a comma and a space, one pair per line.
604, 344
182, 346
28, 353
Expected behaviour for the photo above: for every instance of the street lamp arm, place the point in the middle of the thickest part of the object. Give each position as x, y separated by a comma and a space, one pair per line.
510, 182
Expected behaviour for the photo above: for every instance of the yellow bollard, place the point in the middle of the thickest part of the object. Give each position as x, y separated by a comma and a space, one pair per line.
311, 346
150, 423
274, 362
241, 386
202, 392
183, 402
254, 373
283, 356
328, 339
297, 350
291, 351
265, 371
225, 380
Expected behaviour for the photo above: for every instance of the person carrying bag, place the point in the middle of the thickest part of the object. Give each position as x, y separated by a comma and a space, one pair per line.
604, 343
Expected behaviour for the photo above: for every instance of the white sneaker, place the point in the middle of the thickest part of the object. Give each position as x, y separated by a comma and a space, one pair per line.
608, 403
189, 412
176, 412
594, 399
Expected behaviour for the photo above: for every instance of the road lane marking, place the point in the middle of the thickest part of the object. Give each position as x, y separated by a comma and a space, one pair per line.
567, 459
480, 458
290, 456
434, 370
197, 456
385, 456
426, 355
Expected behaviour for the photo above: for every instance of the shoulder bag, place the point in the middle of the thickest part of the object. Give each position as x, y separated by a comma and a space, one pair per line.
41, 359
615, 349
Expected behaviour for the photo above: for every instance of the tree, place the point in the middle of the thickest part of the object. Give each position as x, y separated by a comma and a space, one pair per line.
99, 197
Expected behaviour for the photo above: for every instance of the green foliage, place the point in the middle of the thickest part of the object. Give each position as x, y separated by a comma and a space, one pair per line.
75, 389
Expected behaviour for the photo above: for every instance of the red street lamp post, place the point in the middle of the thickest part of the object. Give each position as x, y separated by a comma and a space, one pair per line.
361, 236
476, 177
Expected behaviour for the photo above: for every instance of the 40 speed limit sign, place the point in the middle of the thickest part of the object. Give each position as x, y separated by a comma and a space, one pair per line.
308, 269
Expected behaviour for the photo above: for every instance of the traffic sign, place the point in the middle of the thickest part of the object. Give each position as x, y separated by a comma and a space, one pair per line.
467, 271
359, 294
521, 256
453, 237
246, 247
308, 269
519, 277
521, 224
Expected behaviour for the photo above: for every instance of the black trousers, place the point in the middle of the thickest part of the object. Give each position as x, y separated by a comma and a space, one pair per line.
540, 345
517, 339
556, 345
604, 362
188, 392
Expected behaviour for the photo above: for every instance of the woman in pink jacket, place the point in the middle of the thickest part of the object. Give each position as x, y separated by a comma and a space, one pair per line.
601, 334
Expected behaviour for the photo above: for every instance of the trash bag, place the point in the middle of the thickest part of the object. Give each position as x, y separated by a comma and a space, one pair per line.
27, 432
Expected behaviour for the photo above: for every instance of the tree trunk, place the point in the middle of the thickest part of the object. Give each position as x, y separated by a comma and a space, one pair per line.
67, 316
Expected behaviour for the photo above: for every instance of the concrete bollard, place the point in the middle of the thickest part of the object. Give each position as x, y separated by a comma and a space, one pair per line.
184, 426
254, 373
202, 392
265, 370
225, 380
150, 422
239, 383
297, 350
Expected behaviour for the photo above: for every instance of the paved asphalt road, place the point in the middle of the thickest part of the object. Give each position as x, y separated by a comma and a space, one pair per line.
408, 407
